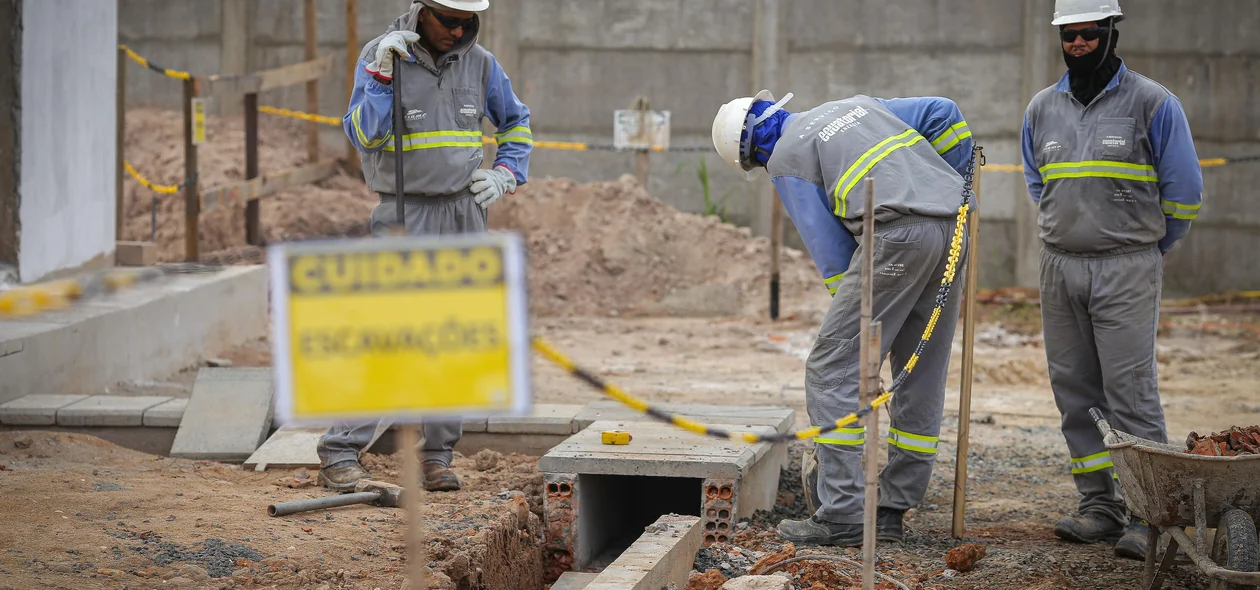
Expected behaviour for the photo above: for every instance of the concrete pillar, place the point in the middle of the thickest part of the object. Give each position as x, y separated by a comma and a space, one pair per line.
1039, 45
234, 45
769, 64
10, 129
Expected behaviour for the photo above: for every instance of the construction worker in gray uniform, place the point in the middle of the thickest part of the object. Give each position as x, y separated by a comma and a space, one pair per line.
917, 150
451, 83
1110, 162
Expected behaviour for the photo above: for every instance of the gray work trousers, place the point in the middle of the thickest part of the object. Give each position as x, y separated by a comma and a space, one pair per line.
1099, 314
345, 440
910, 258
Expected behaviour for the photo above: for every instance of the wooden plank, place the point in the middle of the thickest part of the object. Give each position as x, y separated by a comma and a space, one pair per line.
298, 73
242, 192
289, 448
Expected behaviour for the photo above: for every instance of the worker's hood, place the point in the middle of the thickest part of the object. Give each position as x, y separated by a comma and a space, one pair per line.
767, 133
410, 22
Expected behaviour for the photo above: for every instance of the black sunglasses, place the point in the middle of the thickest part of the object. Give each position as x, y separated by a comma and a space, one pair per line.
1090, 34
453, 22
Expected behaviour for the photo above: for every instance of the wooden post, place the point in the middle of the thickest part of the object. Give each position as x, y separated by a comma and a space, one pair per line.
192, 202
312, 87
776, 244
353, 164
120, 130
642, 158
417, 551
968, 359
253, 235
868, 382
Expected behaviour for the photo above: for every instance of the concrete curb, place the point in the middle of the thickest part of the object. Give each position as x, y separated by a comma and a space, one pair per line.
664, 554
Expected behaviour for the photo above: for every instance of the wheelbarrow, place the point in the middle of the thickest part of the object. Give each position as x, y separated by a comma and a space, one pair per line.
1172, 489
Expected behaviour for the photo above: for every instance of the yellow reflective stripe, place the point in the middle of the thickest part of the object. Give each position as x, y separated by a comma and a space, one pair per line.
1098, 163
950, 138
854, 173
439, 144
843, 436
1179, 211
1099, 169
358, 131
833, 283
519, 134
437, 139
913, 442
1092, 463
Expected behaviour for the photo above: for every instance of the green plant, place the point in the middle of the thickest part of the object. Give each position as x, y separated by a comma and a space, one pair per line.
711, 207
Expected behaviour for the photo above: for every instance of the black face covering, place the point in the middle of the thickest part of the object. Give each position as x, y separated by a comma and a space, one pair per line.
1089, 74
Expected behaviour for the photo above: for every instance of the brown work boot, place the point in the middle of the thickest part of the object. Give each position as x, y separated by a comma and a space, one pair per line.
438, 477
342, 475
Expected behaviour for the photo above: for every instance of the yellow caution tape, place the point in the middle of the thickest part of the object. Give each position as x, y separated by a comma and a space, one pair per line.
300, 115
136, 57
164, 189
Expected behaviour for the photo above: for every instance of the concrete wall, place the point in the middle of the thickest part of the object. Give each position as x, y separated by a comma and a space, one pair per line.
575, 61
67, 136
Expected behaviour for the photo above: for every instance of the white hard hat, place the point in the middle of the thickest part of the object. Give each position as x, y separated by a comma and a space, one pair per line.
1067, 12
464, 5
729, 125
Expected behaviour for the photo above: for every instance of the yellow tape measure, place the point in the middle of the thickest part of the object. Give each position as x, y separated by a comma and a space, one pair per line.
615, 437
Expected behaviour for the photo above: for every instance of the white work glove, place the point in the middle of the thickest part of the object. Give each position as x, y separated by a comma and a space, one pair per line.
396, 42
489, 186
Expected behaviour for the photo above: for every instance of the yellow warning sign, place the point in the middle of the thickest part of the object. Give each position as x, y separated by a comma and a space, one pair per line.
400, 328
198, 121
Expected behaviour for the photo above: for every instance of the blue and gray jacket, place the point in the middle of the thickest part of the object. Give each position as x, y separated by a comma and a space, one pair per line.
1120, 171
444, 104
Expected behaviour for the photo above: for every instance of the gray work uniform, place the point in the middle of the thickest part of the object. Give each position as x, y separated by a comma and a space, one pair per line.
1101, 271
917, 195
443, 103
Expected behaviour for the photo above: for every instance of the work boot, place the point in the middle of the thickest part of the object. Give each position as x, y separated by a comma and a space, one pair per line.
888, 526
1133, 544
438, 477
1088, 528
812, 530
342, 475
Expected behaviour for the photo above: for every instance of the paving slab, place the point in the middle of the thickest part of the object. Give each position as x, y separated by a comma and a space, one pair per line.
573, 581
656, 450
36, 410
290, 447
662, 556
108, 410
780, 418
543, 419
167, 415
228, 415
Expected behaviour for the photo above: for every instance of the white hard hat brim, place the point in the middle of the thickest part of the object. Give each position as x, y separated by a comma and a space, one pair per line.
464, 5
1088, 17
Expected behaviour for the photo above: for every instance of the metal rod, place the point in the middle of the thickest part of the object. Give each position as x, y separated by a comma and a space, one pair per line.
192, 201
120, 129
286, 508
253, 234
417, 551
959, 525
776, 245
353, 165
398, 144
312, 87
869, 358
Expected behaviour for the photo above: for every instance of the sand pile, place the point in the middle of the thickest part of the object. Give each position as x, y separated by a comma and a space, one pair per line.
599, 249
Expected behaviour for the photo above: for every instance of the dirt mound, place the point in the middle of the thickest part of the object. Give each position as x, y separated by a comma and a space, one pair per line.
610, 248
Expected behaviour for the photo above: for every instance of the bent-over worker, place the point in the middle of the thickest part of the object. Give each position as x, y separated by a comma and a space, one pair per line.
450, 84
917, 150
1110, 162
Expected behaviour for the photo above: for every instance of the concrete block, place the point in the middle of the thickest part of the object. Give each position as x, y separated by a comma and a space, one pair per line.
571, 90
167, 415
543, 419
135, 253
146, 332
35, 410
658, 450
666, 25
779, 418
925, 26
662, 556
228, 415
970, 79
108, 410
573, 581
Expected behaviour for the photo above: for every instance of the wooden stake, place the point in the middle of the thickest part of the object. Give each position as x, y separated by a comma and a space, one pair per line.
120, 129
192, 202
968, 360
312, 87
353, 164
776, 244
642, 158
869, 366
417, 551
253, 233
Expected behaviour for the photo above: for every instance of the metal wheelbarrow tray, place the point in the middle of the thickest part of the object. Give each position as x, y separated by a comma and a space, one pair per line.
1172, 489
